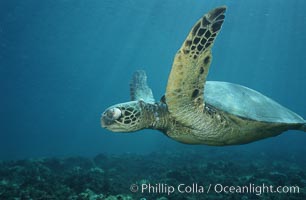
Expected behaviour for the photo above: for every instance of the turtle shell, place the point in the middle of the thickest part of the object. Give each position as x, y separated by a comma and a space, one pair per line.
247, 103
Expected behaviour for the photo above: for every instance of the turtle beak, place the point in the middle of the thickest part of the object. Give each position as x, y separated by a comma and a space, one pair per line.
103, 125
105, 121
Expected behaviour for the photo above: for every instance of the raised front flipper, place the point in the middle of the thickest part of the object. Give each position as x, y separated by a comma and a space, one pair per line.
184, 94
139, 89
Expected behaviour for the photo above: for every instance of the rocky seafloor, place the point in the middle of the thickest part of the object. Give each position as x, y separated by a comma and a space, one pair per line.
111, 177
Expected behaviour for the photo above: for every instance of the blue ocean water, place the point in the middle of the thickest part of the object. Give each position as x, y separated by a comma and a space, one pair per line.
62, 62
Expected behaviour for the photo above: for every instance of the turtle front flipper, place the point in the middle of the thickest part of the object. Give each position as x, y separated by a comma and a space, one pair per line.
184, 93
139, 89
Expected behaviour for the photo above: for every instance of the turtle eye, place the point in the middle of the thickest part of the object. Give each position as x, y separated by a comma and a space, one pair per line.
113, 113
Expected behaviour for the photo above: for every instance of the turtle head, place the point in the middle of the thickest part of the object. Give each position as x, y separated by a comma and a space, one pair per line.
123, 117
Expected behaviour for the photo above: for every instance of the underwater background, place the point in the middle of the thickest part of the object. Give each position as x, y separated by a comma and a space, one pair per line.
63, 62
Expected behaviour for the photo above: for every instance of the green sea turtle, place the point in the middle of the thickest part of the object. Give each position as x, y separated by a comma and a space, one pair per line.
196, 111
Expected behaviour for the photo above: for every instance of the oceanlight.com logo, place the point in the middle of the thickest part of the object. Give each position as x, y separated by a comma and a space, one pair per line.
195, 188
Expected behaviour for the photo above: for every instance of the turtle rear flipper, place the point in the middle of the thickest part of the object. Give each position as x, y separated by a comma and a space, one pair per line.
139, 89
184, 93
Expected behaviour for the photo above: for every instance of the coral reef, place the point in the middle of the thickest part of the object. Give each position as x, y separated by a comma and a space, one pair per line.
111, 177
